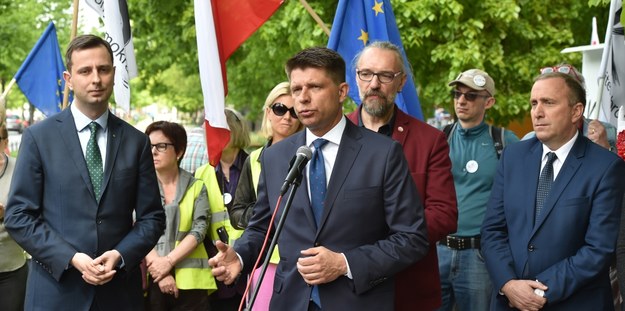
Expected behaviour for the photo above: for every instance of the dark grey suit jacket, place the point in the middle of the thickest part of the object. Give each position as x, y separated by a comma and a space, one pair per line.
372, 214
52, 213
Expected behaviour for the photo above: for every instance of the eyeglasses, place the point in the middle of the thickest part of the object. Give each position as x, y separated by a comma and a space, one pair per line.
161, 147
280, 109
565, 69
383, 77
470, 96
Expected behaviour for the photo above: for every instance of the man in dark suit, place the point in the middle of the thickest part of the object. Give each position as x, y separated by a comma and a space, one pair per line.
381, 75
371, 226
87, 223
553, 216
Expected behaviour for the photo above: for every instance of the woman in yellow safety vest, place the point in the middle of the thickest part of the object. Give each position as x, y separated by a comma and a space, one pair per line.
279, 122
180, 277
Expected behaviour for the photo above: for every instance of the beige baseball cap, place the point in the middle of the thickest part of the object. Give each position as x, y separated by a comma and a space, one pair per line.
477, 80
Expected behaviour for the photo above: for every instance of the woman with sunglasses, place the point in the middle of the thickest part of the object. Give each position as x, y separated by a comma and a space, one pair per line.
279, 122
179, 277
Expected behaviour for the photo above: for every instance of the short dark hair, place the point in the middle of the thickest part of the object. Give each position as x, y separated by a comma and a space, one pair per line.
174, 131
577, 93
84, 42
318, 57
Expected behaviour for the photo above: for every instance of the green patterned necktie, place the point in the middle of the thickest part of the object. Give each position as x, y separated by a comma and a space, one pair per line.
94, 160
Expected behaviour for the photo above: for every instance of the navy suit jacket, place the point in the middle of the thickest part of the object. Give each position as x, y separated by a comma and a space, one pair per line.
372, 214
52, 213
571, 246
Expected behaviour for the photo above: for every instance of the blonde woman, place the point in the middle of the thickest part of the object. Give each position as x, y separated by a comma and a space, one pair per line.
279, 122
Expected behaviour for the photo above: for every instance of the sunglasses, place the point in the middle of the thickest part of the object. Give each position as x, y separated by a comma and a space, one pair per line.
280, 109
470, 96
565, 69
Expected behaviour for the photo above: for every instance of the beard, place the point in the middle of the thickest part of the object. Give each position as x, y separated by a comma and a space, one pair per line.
379, 107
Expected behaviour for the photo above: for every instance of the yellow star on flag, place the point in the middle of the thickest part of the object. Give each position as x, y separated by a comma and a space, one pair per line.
377, 8
364, 37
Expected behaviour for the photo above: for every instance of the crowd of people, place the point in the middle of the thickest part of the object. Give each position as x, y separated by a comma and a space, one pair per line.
391, 213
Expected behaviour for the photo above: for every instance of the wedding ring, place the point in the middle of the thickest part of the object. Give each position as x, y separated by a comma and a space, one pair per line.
592, 130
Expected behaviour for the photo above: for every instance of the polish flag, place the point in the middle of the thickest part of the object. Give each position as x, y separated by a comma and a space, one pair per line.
221, 27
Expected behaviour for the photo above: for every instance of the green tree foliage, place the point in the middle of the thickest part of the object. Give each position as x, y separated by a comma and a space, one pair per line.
23, 22
509, 39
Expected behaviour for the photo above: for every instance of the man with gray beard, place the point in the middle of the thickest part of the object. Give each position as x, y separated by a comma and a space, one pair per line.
381, 75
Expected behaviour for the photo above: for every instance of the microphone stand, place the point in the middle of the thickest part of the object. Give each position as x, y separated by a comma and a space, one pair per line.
273, 243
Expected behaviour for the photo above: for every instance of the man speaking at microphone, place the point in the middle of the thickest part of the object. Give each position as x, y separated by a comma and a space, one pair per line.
353, 223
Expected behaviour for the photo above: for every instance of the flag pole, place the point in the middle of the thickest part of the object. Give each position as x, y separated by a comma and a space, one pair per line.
594, 113
315, 17
71, 37
8, 89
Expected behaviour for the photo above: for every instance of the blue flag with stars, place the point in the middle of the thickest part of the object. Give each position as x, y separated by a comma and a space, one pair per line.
360, 22
41, 75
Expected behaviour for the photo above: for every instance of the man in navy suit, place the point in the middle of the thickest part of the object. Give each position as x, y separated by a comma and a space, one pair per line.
372, 224
554, 255
86, 238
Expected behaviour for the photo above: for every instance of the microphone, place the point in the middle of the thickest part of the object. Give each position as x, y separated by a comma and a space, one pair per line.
301, 157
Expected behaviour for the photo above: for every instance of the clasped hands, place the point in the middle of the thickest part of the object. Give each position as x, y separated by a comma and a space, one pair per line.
317, 265
97, 271
521, 295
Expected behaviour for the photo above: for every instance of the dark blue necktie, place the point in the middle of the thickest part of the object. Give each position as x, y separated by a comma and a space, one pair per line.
544, 184
317, 181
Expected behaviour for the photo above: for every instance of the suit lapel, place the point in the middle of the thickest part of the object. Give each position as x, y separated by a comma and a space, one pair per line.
67, 128
532, 165
302, 196
400, 132
114, 139
568, 170
345, 159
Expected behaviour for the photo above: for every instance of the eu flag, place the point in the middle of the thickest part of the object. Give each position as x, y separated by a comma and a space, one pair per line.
41, 75
359, 22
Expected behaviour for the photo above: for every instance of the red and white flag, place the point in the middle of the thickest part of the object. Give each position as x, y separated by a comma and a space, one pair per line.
221, 27
114, 13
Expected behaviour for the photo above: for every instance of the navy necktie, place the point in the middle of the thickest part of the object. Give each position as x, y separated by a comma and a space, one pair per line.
544, 184
94, 160
317, 181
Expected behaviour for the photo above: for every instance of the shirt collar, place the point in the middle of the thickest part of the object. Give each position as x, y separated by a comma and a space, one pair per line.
82, 121
563, 151
334, 135
386, 129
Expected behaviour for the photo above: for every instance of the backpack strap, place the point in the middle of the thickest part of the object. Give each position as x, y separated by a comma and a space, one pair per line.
497, 134
448, 130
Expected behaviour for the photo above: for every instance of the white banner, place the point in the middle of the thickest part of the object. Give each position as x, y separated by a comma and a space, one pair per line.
114, 13
613, 95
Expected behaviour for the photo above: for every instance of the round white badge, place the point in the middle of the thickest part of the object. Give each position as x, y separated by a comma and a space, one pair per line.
472, 166
479, 80
227, 198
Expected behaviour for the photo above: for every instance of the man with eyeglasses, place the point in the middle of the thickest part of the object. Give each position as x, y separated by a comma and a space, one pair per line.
464, 279
381, 75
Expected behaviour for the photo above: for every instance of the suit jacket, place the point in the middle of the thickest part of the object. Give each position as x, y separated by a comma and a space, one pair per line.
427, 153
53, 214
570, 247
370, 215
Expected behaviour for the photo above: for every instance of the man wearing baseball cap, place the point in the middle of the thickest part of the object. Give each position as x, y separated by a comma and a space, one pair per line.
474, 155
